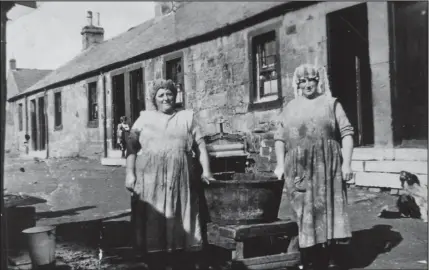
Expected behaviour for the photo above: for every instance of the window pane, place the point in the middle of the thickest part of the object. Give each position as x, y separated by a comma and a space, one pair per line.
266, 76
57, 103
92, 101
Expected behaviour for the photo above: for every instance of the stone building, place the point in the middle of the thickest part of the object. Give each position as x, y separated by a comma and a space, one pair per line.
18, 80
235, 61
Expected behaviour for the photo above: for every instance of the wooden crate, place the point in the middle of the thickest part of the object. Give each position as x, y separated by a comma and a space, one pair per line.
244, 245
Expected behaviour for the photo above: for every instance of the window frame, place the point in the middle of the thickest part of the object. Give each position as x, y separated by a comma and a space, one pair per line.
56, 110
252, 37
20, 117
171, 57
92, 123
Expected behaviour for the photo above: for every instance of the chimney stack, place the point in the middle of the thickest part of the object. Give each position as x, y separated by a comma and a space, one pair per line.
89, 18
91, 34
165, 7
12, 64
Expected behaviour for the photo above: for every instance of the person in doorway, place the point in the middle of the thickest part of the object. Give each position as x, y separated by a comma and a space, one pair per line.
315, 168
123, 132
160, 175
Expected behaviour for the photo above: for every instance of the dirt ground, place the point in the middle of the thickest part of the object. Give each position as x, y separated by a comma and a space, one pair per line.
90, 207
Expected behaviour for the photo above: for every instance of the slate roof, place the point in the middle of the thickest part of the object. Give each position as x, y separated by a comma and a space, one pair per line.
193, 19
25, 77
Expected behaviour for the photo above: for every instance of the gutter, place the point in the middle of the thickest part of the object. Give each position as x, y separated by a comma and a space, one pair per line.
225, 30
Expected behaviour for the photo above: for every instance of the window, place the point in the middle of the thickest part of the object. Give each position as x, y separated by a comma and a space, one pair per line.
92, 104
20, 116
174, 72
265, 69
58, 110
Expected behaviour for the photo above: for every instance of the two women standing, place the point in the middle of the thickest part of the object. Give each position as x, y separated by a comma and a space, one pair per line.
309, 157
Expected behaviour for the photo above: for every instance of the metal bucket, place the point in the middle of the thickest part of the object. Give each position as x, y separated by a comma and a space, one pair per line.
41, 245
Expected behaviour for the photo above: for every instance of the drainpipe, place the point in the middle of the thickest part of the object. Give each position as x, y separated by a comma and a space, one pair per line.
104, 116
45, 97
27, 136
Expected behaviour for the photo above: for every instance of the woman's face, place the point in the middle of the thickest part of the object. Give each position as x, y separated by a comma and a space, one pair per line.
308, 87
164, 100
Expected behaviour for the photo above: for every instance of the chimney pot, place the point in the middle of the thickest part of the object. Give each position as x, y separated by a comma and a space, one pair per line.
98, 18
89, 17
12, 64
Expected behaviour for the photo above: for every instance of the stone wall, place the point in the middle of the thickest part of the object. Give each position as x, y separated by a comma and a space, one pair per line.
216, 78
11, 129
217, 74
75, 138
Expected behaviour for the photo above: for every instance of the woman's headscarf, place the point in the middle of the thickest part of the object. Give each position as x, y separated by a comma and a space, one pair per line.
311, 72
164, 84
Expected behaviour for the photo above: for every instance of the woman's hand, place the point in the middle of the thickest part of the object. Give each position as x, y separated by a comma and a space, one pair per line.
279, 171
347, 172
130, 181
207, 177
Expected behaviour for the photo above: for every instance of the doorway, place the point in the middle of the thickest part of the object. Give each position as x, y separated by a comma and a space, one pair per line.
42, 127
33, 119
409, 40
136, 94
349, 68
118, 105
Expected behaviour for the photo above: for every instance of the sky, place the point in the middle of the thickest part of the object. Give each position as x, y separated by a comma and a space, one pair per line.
49, 36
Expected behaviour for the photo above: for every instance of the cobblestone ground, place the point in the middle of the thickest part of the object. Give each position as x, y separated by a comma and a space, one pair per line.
80, 193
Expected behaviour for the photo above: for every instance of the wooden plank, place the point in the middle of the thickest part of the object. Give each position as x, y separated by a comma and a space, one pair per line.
220, 241
214, 238
268, 262
241, 232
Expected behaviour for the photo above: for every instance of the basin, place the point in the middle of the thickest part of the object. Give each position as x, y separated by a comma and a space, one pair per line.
243, 198
237, 196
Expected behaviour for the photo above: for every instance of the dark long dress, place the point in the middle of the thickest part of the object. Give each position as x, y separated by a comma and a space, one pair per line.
313, 176
166, 212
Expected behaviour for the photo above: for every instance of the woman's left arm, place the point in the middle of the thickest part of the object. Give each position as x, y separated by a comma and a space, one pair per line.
202, 154
205, 164
346, 131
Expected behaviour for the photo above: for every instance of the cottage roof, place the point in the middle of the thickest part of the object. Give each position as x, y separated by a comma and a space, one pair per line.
191, 20
26, 77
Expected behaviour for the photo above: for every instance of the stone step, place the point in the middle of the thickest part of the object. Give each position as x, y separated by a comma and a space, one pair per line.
389, 166
113, 161
114, 153
405, 154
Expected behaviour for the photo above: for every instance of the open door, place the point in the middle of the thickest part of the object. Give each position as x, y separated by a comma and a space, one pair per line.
410, 90
118, 105
349, 68
42, 126
33, 122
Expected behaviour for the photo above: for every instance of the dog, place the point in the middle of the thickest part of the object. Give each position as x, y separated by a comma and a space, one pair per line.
413, 202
